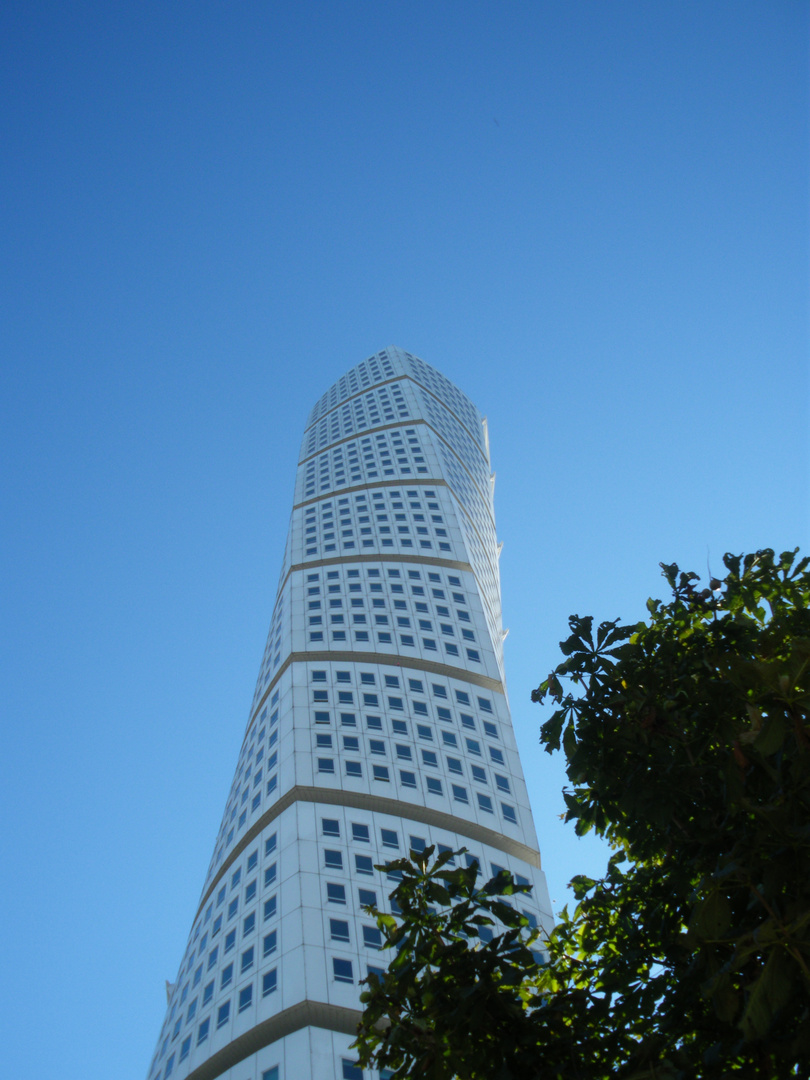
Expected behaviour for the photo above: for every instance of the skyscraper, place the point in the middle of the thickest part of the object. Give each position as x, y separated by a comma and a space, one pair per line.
379, 723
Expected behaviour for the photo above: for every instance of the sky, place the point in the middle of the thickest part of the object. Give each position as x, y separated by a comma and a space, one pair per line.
592, 217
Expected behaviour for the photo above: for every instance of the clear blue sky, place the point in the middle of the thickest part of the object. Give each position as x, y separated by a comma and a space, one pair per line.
593, 217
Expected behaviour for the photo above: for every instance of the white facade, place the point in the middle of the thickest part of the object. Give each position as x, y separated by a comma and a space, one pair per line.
380, 722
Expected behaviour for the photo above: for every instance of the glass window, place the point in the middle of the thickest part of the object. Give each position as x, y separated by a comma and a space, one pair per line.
330, 827
434, 785
269, 943
269, 984
245, 997
335, 894
342, 970
360, 832
227, 975
363, 864
372, 938
339, 929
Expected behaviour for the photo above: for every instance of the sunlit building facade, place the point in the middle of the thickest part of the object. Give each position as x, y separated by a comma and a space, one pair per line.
379, 724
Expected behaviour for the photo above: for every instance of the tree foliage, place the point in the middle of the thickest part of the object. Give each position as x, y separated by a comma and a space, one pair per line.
687, 740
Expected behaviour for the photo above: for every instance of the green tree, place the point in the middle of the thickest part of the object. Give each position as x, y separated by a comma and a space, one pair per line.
687, 740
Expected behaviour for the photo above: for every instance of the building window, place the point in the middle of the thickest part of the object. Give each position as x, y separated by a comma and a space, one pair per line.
335, 894
270, 942
342, 970
333, 860
269, 982
372, 938
223, 1014
245, 997
339, 929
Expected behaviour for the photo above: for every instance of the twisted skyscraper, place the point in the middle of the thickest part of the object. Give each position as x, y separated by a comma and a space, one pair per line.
379, 724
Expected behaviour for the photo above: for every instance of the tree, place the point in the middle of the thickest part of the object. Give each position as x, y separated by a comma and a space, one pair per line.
687, 741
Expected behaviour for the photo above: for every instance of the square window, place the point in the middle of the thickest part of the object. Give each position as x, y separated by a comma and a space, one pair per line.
339, 929
381, 773
434, 785
407, 779
245, 997
270, 943
479, 774
372, 938
353, 768
429, 758
368, 897
247, 960
460, 793
449, 738
485, 803
342, 970
490, 730
509, 813
269, 984
330, 827
208, 993
249, 924
360, 832
333, 860
230, 940
390, 838
250, 891
363, 864
270, 908
502, 783
376, 746
202, 1033
351, 1070
227, 976
335, 894
270, 874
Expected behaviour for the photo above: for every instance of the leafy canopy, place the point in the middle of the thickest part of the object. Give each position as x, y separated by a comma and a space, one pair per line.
687, 741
